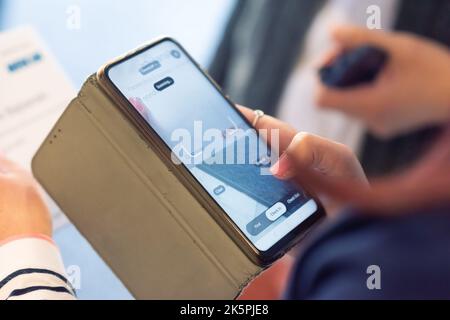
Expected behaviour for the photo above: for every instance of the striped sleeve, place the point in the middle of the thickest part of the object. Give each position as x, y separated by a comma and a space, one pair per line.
32, 268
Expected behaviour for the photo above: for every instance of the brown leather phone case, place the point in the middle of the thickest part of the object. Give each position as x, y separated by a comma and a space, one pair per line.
144, 223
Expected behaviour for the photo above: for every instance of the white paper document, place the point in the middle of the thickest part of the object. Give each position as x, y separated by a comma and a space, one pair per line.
34, 91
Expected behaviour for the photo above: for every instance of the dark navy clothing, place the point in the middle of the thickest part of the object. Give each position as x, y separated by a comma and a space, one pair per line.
412, 251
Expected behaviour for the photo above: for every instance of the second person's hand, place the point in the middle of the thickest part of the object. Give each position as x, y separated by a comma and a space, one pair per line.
412, 91
22, 209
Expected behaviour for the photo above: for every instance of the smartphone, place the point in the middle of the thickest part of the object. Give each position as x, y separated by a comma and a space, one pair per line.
359, 66
174, 104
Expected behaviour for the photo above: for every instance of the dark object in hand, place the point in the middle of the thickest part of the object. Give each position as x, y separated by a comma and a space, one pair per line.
358, 66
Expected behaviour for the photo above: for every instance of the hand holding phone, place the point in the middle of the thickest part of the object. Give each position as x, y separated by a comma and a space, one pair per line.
180, 111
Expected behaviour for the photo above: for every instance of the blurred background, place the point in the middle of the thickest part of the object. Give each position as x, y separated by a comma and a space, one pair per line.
110, 28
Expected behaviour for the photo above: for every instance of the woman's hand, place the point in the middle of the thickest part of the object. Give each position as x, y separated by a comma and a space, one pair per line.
22, 209
332, 173
412, 91
327, 157
303, 151
330, 160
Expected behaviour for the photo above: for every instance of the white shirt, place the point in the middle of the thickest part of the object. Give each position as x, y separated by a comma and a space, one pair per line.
31, 268
296, 105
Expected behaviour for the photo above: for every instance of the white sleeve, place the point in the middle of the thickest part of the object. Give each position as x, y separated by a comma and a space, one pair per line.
32, 268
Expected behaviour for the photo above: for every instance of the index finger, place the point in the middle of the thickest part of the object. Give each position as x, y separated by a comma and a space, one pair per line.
285, 132
356, 102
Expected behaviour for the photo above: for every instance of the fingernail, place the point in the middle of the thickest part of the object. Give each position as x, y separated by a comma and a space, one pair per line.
282, 169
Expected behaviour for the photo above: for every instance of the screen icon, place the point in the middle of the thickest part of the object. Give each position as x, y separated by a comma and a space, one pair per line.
276, 211
176, 54
164, 83
149, 67
219, 190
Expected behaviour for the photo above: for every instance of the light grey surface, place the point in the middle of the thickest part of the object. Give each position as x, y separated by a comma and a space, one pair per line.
112, 27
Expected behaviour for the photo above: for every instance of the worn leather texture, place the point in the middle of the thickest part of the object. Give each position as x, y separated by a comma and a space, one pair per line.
143, 222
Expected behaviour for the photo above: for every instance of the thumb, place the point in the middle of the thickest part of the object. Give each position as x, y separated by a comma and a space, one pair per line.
348, 37
311, 152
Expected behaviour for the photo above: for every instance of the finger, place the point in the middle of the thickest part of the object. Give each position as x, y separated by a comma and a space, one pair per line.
311, 151
349, 36
308, 151
329, 56
301, 153
285, 132
424, 185
359, 101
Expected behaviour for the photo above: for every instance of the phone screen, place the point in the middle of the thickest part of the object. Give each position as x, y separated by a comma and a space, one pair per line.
206, 134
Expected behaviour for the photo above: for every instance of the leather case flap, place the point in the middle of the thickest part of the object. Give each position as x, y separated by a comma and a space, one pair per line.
144, 223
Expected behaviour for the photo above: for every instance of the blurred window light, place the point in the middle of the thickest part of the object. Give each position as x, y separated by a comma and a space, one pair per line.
85, 34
